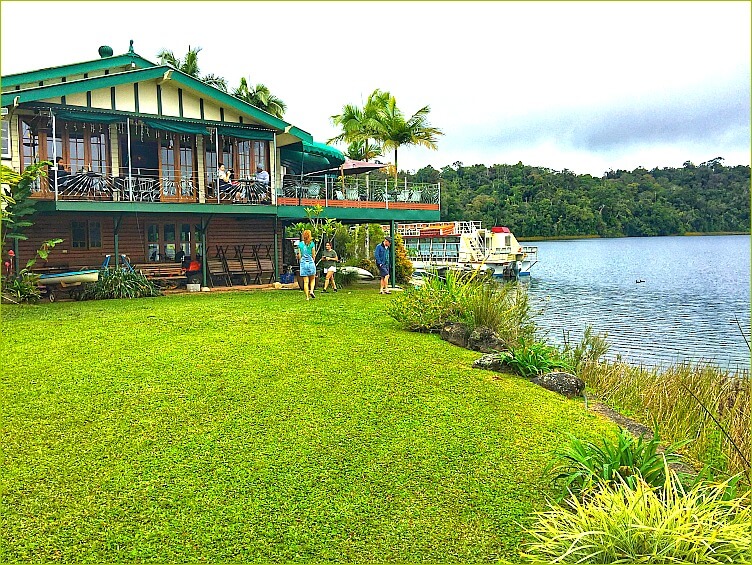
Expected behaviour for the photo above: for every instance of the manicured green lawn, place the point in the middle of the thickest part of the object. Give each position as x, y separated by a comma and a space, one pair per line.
254, 426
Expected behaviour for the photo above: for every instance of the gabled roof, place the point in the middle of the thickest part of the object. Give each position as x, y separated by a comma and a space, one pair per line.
128, 77
136, 61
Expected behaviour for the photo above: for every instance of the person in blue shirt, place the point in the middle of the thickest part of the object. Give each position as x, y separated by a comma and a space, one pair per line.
306, 251
381, 254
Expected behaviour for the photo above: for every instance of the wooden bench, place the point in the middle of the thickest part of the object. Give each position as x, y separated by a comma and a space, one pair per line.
164, 274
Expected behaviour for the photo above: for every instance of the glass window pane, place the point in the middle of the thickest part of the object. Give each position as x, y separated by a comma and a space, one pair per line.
261, 154
6, 138
169, 251
76, 143
78, 236
185, 232
99, 153
246, 168
153, 233
153, 252
95, 235
168, 158
169, 233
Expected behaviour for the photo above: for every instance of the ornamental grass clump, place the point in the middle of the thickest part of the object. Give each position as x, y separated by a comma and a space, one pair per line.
120, 283
504, 308
533, 358
698, 401
466, 298
434, 304
584, 465
642, 524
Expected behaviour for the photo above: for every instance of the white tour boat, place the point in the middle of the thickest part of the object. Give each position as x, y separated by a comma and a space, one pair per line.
467, 245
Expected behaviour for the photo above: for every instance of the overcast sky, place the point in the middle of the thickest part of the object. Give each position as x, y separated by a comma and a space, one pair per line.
586, 86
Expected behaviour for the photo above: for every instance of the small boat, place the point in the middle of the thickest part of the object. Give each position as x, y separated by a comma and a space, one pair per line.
468, 246
69, 278
361, 273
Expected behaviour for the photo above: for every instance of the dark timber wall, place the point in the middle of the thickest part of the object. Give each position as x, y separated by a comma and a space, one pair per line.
225, 231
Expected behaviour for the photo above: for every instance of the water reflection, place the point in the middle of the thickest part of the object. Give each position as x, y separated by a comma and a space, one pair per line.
694, 289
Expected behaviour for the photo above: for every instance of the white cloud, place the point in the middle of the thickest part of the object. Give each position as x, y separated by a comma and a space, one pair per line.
485, 68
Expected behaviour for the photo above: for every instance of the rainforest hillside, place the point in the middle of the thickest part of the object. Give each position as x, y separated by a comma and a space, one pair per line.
536, 201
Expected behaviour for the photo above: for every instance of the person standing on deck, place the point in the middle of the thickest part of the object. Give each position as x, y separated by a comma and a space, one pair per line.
381, 254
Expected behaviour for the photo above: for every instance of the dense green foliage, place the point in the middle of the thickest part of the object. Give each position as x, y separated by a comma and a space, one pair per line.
381, 120
585, 465
468, 299
532, 358
258, 427
536, 201
120, 283
668, 397
642, 524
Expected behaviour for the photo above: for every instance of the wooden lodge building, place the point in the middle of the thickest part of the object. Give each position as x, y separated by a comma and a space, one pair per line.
140, 144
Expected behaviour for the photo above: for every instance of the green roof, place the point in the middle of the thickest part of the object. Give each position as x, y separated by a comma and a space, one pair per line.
128, 77
76, 68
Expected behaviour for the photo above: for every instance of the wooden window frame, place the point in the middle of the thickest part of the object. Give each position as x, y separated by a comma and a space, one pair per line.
88, 224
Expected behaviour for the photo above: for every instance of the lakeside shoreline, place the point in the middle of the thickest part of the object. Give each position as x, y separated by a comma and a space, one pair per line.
574, 237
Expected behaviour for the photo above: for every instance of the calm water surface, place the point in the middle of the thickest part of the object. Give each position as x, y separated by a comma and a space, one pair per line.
694, 287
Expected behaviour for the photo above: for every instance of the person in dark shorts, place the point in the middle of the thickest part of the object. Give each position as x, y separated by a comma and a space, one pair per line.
381, 254
329, 260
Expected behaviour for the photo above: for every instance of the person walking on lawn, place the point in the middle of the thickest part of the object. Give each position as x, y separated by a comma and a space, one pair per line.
381, 254
329, 260
306, 251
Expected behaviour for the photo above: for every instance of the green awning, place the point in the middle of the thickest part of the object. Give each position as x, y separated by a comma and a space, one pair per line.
244, 133
311, 157
91, 117
175, 127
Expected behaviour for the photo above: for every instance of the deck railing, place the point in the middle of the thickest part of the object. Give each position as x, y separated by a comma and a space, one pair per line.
358, 192
151, 185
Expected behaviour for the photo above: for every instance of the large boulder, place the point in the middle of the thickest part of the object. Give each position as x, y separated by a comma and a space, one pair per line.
564, 383
485, 340
490, 362
455, 333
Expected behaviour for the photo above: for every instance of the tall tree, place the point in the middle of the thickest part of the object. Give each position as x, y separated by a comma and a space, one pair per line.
363, 150
361, 125
189, 66
394, 131
261, 97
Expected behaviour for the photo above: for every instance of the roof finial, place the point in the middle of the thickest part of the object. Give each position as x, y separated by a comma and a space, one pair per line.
130, 49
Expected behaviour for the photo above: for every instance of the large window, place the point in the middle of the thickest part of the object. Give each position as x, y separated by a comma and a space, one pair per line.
80, 145
86, 235
164, 241
76, 152
238, 154
6, 138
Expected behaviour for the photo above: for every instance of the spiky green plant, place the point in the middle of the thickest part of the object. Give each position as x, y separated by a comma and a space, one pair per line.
642, 524
585, 465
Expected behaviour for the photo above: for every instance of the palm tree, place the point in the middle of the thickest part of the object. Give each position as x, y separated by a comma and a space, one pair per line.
363, 150
261, 97
395, 131
189, 66
360, 125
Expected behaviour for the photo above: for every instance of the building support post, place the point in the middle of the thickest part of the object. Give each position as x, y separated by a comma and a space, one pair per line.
276, 248
393, 254
202, 233
116, 237
54, 153
130, 170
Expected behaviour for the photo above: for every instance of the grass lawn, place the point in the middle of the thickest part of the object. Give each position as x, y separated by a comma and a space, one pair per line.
256, 426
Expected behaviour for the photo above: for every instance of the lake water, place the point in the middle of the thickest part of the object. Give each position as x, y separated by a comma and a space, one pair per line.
694, 287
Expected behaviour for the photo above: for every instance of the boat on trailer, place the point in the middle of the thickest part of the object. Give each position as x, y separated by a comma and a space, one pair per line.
437, 246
